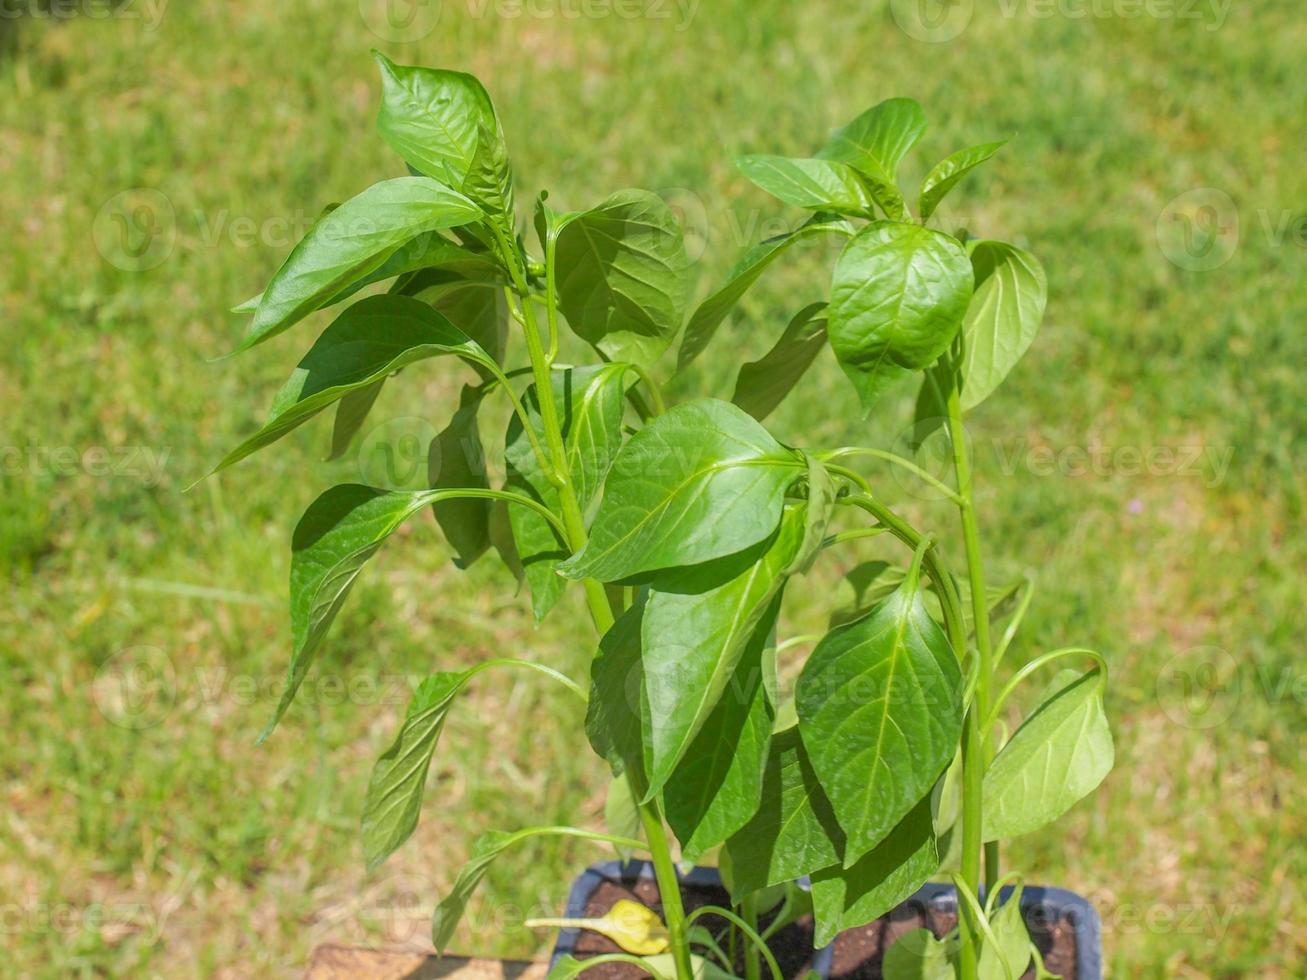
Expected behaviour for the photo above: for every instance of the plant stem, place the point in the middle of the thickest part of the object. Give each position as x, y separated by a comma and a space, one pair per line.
558, 471
752, 965
975, 748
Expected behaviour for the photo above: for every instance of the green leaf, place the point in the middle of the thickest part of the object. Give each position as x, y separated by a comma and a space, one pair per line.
898, 296
1002, 318
918, 955
621, 815
443, 124
844, 898
718, 784
476, 307
590, 401
1009, 959
351, 412
946, 174
622, 276
712, 311
697, 622
457, 459
763, 384
613, 714
793, 832
880, 712
875, 143
394, 797
818, 185
1057, 757
351, 242
817, 513
334, 539
369, 341
701, 482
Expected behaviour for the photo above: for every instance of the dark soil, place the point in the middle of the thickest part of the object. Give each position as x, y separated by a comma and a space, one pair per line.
792, 946
858, 952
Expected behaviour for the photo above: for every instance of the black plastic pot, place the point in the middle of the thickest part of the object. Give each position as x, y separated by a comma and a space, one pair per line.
1040, 906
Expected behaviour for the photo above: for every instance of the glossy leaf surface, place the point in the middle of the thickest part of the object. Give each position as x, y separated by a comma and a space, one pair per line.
1057, 757
1002, 318
874, 144
843, 898
898, 296
945, 175
818, 185
880, 712
621, 277
369, 341
350, 242
700, 482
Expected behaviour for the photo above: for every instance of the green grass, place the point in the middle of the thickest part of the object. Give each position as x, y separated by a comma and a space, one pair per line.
178, 848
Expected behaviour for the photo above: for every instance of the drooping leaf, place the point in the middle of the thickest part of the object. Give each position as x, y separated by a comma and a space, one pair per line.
793, 832
350, 242
1002, 318
622, 276
818, 185
475, 306
590, 402
456, 459
701, 482
696, 624
1009, 959
945, 175
367, 342
880, 712
898, 296
621, 815
717, 786
764, 383
816, 516
394, 796
332, 542
918, 955
351, 412
613, 714
712, 312
844, 898
1058, 756
874, 144
443, 124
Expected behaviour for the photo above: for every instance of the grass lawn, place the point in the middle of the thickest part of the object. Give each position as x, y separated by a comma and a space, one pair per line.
1143, 464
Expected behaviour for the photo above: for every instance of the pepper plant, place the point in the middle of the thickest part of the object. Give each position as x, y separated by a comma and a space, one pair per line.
684, 527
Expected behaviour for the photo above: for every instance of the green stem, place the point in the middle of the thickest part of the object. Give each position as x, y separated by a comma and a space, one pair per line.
752, 964
750, 932
975, 748
556, 468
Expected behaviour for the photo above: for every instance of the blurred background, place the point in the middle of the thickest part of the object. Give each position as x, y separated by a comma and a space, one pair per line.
1143, 463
